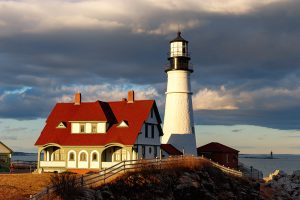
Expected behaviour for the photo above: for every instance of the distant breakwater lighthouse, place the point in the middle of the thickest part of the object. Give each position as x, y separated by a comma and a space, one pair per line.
178, 120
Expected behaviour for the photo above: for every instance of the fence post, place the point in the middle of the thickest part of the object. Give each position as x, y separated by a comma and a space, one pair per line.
104, 174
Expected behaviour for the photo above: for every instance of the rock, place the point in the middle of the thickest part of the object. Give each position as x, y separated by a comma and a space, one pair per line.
284, 186
296, 173
107, 195
98, 195
187, 181
226, 186
275, 175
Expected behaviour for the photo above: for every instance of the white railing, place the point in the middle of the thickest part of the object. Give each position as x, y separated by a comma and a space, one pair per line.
108, 164
52, 164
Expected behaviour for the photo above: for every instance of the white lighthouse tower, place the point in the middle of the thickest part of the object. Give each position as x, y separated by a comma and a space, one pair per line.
178, 120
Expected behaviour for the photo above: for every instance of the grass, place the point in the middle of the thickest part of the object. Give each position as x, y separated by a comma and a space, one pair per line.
21, 186
67, 186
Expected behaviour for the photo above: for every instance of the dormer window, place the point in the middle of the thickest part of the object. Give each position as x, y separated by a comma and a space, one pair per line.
62, 125
82, 128
88, 127
123, 124
94, 128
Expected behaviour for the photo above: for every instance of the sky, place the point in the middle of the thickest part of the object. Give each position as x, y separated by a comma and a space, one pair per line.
245, 56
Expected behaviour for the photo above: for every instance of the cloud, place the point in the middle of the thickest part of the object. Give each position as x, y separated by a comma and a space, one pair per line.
33, 103
214, 100
245, 55
237, 130
4, 137
263, 98
38, 16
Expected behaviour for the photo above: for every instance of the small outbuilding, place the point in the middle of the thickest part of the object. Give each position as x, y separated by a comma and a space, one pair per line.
220, 153
5, 157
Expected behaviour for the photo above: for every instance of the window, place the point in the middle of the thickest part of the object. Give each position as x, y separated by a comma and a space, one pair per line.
94, 157
150, 150
82, 128
155, 151
94, 128
71, 157
83, 157
146, 130
152, 130
61, 125
143, 151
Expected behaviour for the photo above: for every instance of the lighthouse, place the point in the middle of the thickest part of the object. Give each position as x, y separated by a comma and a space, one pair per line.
178, 125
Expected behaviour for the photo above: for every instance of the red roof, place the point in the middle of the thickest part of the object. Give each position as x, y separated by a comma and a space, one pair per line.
113, 112
170, 149
216, 147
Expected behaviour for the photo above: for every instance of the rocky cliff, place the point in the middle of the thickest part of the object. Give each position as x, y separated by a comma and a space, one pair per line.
205, 183
283, 186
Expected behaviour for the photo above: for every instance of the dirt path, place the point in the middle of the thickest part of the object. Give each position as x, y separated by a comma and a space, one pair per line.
20, 186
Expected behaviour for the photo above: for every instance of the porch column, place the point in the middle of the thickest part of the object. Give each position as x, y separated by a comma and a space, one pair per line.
48, 155
100, 158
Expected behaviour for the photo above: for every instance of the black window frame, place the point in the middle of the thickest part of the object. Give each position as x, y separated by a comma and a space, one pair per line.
152, 130
143, 151
146, 130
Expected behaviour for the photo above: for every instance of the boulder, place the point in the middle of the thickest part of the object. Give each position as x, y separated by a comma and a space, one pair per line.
296, 173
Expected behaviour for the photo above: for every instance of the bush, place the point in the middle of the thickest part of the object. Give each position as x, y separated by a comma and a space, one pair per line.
66, 186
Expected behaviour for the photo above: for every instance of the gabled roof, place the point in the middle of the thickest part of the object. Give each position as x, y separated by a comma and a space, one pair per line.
4, 148
135, 114
216, 147
170, 149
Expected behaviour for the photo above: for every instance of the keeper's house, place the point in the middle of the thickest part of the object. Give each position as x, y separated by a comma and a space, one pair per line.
90, 136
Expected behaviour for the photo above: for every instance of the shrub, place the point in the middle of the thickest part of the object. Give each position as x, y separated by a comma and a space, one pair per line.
66, 186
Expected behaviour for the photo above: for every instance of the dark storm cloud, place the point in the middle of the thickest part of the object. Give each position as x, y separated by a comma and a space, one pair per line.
243, 51
282, 119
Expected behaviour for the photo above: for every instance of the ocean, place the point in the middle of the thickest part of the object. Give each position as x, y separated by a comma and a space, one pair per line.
286, 162
25, 157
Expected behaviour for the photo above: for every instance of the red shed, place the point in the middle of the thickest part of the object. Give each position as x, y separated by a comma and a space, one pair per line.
220, 153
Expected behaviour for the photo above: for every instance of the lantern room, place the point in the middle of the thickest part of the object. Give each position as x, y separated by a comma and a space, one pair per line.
178, 46
179, 54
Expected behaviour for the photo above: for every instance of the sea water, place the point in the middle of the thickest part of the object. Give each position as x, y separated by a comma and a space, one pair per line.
286, 162
25, 157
